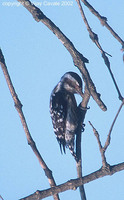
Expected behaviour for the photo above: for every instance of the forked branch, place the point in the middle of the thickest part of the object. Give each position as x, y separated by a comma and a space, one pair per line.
74, 183
95, 39
78, 59
107, 143
103, 21
104, 163
18, 107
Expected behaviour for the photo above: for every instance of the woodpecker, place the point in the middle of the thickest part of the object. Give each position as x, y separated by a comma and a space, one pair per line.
64, 110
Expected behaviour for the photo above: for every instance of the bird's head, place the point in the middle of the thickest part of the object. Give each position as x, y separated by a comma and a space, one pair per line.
72, 82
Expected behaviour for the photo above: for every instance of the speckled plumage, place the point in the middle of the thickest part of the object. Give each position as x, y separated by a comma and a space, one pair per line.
63, 109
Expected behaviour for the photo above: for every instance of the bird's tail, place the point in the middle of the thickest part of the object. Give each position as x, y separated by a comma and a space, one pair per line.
71, 148
69, 138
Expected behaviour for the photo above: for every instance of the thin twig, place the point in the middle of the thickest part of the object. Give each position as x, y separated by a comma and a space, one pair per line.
94, 38
78, 59
107, 143
104, 163
18, 107
106, 60
103, 21
70, 185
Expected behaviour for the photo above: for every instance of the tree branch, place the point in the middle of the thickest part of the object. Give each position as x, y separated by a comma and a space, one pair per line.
107, 143
106, 60
95, 39
110, 131
82, 112
74, 183
103, 21
18, 107
104, 163
78, 59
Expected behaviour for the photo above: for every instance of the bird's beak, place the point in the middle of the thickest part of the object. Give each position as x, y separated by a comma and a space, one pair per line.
80, 93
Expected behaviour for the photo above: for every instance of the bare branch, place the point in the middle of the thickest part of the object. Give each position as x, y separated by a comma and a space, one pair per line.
79, 175
18, 107
74, 183
106, 60
78, 59
110, 131
104, 163
82, 112
103, 21
107, 143
94, 38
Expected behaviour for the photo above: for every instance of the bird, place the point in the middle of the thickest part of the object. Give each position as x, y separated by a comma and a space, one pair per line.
64, 110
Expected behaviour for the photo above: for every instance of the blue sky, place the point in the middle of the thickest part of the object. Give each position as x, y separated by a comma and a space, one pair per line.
36, 60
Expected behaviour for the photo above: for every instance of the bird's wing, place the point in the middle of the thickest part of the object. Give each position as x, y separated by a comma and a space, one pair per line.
58, 110
71, 123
